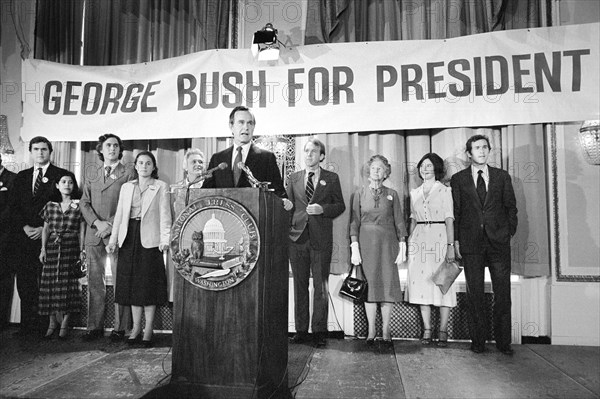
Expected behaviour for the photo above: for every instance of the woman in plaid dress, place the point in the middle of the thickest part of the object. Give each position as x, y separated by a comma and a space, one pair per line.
62, 245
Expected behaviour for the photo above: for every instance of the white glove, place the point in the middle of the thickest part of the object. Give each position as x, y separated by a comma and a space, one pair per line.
401, 258
355, 254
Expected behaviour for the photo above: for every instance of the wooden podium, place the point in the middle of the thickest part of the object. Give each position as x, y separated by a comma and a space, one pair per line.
232, 342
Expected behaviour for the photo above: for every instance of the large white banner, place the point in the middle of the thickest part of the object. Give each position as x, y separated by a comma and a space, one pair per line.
509, 77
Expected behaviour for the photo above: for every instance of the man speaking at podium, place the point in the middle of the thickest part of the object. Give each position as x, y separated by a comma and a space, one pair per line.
260, 163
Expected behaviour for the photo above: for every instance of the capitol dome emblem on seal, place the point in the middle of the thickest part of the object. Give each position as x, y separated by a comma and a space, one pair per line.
215, 243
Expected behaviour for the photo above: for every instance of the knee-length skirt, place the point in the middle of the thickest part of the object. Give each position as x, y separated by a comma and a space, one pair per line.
141, 278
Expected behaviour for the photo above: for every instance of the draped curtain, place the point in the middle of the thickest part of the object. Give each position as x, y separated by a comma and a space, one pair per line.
131, 31
517, 149
127, 32
58, 39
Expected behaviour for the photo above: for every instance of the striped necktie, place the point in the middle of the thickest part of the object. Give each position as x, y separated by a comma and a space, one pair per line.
106, 173
237, 172
38, 181
310, 187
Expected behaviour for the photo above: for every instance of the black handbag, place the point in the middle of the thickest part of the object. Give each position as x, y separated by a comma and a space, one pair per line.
79, 268
353, 287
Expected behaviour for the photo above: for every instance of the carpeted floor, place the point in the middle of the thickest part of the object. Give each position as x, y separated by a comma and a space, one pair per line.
35, 368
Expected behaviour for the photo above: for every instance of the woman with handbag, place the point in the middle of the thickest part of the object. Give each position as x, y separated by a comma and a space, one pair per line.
62, 247
141, 228
378, 234
431, 244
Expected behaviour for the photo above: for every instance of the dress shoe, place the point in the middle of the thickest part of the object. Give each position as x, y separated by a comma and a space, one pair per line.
64, 332
147, 343
117, 336
92, 335
319, 339
442, 339
134, 340
426, 339
370, 341
477, 348
387, 343
300, 338
506, 350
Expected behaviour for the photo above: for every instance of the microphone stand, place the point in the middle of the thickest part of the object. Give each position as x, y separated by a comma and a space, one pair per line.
187, 190
254, 182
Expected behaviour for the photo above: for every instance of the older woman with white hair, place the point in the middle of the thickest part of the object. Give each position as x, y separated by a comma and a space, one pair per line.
193, 166
378, 241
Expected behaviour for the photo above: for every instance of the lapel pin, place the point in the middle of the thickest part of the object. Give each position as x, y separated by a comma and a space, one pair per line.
113, 176
389, 197
44, 179
322, 182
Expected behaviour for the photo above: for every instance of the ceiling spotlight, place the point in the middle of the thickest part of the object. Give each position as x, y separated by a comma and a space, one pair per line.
265, 45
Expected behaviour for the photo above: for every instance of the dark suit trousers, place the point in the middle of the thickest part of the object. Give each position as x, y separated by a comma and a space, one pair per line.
6, 278
304, 260
498, 262
29, 271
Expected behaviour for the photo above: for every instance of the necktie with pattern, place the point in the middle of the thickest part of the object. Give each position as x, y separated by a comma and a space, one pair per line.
237, 172
38, 181
106, 173
481, 191
310, 187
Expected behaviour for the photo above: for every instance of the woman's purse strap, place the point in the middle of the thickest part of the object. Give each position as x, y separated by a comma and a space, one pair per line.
359, 267
351, 269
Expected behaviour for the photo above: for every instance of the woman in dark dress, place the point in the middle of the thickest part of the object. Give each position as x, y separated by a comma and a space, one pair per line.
378, 241
141, 229
62, 246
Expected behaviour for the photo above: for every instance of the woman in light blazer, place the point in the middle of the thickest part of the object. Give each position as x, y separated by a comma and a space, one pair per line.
141, 229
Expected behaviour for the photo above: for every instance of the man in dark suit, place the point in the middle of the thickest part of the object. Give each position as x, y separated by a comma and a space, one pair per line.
261, 163
32, 190
98, 207
485, 214
7, 179
316, 198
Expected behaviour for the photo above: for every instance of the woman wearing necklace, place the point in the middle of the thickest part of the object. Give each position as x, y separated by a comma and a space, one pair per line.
378, 234
62, 245
432, 241
141, 229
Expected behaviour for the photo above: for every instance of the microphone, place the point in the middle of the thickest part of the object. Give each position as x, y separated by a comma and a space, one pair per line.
208, 173
253, 180
221, 166
202, 176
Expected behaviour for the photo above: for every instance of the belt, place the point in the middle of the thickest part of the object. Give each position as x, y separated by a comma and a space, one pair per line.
431, 222
138, 218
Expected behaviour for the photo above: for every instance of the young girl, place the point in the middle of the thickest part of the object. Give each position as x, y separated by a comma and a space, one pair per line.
62, 246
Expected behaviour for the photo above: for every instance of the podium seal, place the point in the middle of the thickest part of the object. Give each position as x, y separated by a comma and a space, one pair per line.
215, 243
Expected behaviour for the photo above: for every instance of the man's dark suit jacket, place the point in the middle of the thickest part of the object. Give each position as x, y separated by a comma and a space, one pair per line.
262, 164
328, 194
497, 216
7, 179
25, 206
